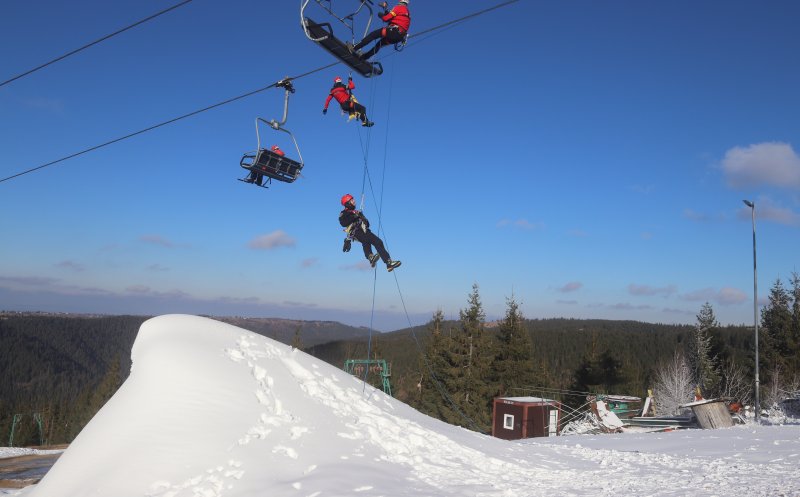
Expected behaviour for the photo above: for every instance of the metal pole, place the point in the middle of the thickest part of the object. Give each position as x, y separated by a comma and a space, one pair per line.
752, 206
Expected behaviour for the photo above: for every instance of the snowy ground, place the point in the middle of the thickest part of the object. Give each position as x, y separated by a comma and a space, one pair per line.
6, 452
211, 410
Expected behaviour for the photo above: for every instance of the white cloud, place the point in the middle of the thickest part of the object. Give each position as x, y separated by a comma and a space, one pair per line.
648, 291
143, 290
572, 286
157, 268
768, 210
695, 216
724, 296
72, 265
625, 306
771, 163
731, 296
157, 240
359, 266
271, 241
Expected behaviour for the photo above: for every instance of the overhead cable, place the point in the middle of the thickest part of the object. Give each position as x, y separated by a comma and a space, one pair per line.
184, 2
230, 100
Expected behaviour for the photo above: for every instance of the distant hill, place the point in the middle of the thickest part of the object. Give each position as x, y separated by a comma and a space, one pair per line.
311, 332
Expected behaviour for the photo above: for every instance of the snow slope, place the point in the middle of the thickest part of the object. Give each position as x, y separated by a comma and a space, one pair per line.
212, 410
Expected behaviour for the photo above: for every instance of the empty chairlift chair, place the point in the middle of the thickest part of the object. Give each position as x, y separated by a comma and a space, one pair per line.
322, 34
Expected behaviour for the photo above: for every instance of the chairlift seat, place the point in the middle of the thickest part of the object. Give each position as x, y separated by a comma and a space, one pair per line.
323, 35
272, 165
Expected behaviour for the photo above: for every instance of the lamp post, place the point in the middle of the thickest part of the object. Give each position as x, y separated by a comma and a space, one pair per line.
752, 206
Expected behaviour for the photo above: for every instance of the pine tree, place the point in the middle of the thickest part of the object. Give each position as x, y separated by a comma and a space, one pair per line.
435, 373
513, 366
794, 353
297, 340
473, 353
775, 343
704, 366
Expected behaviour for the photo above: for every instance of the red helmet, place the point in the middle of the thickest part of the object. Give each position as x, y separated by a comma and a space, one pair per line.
275, 147
337, 79
347, 198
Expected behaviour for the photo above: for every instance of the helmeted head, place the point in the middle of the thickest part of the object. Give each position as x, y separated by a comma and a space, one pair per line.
337, 79
348, 201
404, 2
275, 148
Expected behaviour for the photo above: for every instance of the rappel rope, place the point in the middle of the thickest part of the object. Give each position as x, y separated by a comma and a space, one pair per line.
366, 178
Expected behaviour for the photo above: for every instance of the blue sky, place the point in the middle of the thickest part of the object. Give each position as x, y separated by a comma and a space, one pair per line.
590, 158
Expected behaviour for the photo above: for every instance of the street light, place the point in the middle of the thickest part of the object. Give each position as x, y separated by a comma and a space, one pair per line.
755, 299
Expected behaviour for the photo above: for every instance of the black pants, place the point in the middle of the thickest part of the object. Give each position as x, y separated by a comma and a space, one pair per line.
255, 177
393, 35
368, 240
350, 106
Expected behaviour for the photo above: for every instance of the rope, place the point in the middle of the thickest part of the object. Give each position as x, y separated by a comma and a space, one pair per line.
95, 42
367, 178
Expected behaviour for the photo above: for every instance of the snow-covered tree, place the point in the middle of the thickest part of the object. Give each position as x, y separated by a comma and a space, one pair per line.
673, 385
736, 383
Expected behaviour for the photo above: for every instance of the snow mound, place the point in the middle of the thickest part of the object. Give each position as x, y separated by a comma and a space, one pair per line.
211, 410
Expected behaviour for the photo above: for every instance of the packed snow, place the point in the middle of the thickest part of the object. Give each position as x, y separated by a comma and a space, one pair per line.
211, 410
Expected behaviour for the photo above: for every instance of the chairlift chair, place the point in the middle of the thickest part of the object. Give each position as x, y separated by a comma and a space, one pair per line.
322, 34
266, 162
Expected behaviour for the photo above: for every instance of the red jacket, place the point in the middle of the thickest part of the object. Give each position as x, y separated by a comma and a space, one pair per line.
340, 93
399, 17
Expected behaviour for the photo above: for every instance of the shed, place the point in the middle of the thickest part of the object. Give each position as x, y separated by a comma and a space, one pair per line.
525, 417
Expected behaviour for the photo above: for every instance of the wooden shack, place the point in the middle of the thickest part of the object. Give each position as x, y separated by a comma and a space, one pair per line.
514, 418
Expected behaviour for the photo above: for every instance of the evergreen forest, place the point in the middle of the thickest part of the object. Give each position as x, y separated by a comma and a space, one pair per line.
59, 370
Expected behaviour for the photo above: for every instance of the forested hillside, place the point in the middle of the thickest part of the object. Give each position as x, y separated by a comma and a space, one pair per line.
58, 370
559, 348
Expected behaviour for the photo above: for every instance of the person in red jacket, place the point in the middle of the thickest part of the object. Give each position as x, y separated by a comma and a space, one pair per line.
344, 95
398, 21
356, 226
256, 176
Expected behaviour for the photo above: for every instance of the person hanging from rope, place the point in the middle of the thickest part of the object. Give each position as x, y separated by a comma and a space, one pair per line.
255, 175
344, 95
398, 21
356, 226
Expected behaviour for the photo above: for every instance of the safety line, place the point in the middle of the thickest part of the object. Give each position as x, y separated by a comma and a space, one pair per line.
95, 42
230, 100
438, 384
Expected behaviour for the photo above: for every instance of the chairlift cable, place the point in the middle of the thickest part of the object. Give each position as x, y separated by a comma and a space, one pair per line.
225, 102
73, 52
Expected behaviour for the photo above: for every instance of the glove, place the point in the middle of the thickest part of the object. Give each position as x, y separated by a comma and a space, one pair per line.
347, 244
324, 111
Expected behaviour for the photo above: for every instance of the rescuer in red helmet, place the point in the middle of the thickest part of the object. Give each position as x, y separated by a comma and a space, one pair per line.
356, 226
344, 95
